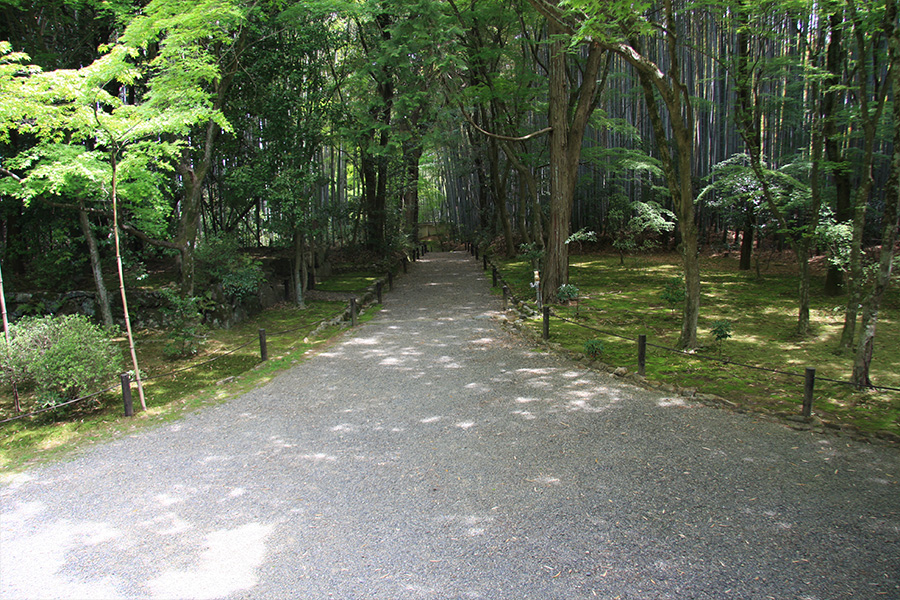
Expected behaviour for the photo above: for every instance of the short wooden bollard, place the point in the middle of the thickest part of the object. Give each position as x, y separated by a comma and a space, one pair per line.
126, 394
494, 277
378, 287
546, 311
505, 297
353, 315
642, 354
263, 348
808, 388
391, 281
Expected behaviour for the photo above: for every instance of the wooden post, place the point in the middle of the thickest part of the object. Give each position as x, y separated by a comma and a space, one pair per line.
642, 354
353, 315
505, 297
263, 348
378, 287
546, 312
126, 394
808, 388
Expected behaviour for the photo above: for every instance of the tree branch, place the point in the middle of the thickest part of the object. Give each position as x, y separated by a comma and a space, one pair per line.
13, 175
150, 240
507, 138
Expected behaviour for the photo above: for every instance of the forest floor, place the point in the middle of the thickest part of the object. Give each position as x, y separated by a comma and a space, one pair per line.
226, 363
616, 298
760, 308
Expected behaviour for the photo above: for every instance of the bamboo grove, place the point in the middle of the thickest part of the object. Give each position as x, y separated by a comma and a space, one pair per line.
303, 125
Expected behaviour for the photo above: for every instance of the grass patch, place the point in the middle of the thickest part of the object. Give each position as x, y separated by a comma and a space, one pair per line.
196, 381
625, 300
348, 282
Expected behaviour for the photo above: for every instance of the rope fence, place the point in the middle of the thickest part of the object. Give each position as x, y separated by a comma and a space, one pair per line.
351, 313
809, 375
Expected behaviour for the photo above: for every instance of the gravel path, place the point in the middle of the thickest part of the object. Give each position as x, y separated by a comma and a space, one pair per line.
430, 454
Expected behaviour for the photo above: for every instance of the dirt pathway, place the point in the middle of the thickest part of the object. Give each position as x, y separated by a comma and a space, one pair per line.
430, 454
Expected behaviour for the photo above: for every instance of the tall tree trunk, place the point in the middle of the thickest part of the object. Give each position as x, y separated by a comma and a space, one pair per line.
832, 102
368, 173
498, 184
96, 268
865, 349
298, 276
412, 154
678, 169
870, 117
528, 193
194, 175
565, 152
751, 129
521, 217
680, 183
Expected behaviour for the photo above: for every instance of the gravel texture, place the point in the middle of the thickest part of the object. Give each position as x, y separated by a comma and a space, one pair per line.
432, 454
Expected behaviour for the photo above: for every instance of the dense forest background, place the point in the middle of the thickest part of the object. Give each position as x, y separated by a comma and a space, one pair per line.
188, 128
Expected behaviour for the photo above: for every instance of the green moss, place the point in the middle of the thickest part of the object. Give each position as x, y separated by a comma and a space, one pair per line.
625, 301
172, 387
348, 282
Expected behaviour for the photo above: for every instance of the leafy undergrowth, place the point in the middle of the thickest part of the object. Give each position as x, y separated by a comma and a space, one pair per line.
625, 300
171, 386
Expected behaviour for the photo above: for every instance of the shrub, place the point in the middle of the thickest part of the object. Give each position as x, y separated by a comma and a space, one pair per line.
567, 292
593, 348
62, 357
721, 330
219, 260
674, 292
184, 335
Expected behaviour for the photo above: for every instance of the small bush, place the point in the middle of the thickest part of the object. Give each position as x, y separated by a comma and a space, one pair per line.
219, 260
593, 349
674, 292
184, 336
62, 357
721, 330
567, 292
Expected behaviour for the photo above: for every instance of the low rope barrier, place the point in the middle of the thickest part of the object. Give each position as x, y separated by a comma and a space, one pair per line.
809, 376
56, 406
726, 361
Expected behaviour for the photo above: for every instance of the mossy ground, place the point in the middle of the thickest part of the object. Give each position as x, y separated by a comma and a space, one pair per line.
625, 300
227, 364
